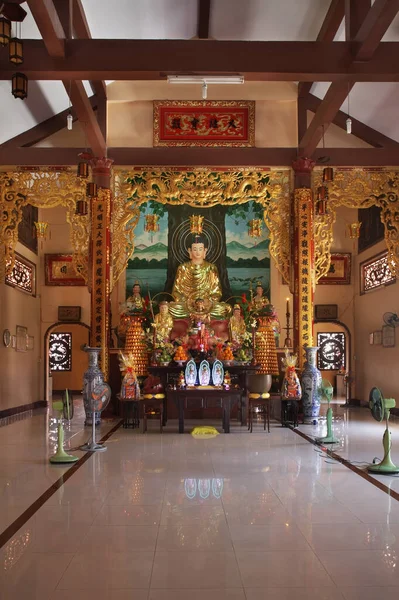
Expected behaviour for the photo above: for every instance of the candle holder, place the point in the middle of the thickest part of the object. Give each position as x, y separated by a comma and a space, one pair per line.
287, 341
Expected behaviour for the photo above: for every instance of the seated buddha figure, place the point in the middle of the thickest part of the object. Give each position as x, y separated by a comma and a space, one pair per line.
195, 279
163, 321
237, 328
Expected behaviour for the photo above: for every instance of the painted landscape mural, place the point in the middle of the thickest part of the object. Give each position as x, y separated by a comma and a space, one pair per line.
245, 259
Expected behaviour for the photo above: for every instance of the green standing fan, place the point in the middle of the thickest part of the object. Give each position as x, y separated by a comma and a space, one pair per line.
326, 394
380, 408
64, 408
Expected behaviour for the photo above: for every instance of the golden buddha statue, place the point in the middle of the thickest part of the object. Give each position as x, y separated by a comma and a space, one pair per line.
195, 279
163, 321
259, 301
237, 327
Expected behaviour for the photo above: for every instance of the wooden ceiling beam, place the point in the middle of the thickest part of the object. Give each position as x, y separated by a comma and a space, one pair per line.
328, 31
204, 13
43, 130
87, 117
366, 40
154, 59
217, 157
52, 31
360, 130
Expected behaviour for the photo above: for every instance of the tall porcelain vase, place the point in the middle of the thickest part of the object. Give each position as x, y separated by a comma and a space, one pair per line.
311, 385
92, 377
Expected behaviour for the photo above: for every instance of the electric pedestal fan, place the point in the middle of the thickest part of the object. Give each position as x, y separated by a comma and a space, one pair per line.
64, 407
100, 397
380, 408
327, 394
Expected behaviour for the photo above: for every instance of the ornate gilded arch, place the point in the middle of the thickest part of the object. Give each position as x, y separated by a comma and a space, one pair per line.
358, 188
202, 188
43, 189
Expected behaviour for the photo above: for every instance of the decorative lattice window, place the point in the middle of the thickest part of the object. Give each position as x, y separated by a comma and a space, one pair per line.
23, 275
331, 355
60, 351
375, 273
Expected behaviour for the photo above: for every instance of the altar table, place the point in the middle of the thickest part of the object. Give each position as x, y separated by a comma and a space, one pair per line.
190, 398
239, 374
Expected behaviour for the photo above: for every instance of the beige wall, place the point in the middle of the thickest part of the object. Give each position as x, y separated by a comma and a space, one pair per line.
52, 297
375, 365
20, 372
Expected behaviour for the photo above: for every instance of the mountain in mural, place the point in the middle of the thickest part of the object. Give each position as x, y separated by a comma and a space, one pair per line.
235, 250
157, 251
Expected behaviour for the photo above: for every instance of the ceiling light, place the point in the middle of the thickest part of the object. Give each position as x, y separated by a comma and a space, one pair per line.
16, 51
69, 122
207, 79
5, 31
348, 125
19, 86
204, 90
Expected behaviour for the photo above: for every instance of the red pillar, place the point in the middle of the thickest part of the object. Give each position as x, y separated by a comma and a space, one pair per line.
303, 256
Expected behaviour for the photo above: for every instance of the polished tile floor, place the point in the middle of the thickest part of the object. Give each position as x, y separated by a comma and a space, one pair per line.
169, 517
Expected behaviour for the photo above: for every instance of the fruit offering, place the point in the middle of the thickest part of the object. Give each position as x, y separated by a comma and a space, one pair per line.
228, 354
180, 354
241, 355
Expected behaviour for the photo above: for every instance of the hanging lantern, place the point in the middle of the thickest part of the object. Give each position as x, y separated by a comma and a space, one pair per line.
19, 86
41, 229
16, 51
81, 208
83, 170
354, 230
5, 31
91, 189
196, 222
255, 228
151, 223
328, 174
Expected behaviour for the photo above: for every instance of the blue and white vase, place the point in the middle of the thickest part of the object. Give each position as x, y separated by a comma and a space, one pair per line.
311, 385
92, 377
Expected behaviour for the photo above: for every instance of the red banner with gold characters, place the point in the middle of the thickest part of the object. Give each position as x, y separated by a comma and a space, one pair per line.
100, 274
303, 269
204, 123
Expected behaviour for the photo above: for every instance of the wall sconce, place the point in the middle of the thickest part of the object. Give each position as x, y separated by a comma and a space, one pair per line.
16, 51
328, 174
322, 197
91, 189
19, 86
83, 170
354, 230
5, 31
82, 208
196, 222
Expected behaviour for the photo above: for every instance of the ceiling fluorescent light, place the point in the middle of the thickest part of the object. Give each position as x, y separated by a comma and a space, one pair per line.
207, 79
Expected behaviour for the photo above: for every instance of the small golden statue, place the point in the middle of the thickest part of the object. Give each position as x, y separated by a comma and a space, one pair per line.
134, 303
237, 327
259, 301
163, 321
200, 316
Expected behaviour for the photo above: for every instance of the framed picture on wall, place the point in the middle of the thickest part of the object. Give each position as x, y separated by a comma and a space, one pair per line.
377, 337
326, 312
388, 336
22, 338
59, 270
340, 270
